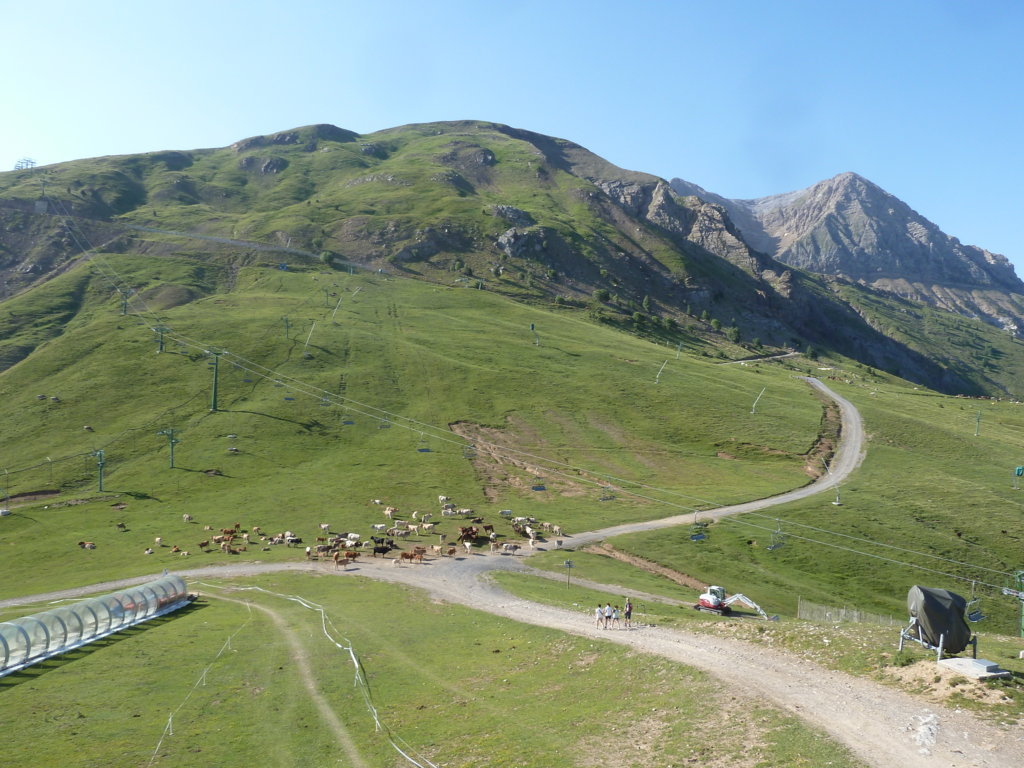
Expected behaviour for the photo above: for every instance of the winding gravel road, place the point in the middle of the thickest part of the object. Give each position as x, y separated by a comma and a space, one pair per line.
882, 726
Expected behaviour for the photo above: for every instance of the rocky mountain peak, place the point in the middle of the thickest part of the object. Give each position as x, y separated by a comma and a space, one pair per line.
849, 227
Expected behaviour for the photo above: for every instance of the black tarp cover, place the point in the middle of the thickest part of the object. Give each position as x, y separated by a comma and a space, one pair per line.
938, 612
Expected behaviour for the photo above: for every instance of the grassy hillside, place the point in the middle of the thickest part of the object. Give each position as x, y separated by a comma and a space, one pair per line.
494, 692
934, 504
299, 436
532, 217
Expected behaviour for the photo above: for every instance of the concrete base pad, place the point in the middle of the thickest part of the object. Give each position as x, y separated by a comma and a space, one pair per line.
978, 669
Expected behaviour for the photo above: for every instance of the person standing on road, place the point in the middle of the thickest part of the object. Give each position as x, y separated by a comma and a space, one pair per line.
615, 616
627, 612
599, 617
607, 615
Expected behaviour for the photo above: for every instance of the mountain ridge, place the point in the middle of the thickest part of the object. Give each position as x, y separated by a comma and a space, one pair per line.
849, 227
534, 217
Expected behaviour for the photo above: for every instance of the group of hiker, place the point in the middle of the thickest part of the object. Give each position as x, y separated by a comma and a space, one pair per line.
608, 616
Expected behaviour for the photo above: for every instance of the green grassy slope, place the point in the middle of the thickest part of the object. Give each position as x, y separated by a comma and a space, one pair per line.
493, 693
434, 201
445, 367
933, 504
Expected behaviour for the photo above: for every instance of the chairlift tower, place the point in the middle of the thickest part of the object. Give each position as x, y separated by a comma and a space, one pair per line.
171, 441
125, 294
101, 462
216, 359
160, 330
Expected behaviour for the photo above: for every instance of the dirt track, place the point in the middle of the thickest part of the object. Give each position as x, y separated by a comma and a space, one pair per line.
883, 727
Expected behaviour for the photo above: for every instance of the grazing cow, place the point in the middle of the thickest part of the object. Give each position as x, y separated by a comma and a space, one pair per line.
228, 531
488, 528
183, 553
381, 549
410, 556
353, 536
122, 526
414, 528
558, 543
451, 552
425, 516
225, 547
468, 544
465, 511
207, 527
379, 526
175, 549
87, 544
158, 541
508, 546
325, 527
376, 501
186, 518
321, 539
204, 545
495, 546
437, 549
149, 551
443, 499
257, 530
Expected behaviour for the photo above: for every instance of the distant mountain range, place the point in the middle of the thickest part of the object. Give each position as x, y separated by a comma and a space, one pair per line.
841, 268
848, 227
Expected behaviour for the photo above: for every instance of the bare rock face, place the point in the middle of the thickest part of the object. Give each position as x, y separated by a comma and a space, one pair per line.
848, 227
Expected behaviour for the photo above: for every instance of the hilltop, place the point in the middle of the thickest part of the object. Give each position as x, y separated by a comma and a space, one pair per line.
535, 218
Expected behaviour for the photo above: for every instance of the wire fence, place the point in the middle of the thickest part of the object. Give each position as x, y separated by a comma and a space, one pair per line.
829, 613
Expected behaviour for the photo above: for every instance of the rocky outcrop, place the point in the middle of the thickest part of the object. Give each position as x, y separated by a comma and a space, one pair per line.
848, 227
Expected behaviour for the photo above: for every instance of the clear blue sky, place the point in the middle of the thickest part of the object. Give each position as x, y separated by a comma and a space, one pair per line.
743, 98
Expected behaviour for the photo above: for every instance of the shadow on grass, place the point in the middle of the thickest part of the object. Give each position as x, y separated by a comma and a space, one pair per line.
37, 670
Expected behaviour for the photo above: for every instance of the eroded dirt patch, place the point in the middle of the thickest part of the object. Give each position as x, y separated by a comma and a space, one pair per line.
645, 565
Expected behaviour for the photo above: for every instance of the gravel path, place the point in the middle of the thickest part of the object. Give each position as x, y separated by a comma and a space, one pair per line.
882, 726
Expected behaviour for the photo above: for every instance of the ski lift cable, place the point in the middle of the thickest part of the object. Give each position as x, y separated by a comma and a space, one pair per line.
882, 544
747, 523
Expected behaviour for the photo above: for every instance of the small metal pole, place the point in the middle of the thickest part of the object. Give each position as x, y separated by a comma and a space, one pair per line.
753, 408
658, 377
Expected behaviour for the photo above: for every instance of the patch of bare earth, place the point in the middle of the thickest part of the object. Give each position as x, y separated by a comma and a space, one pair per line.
937, 683
500, 463
829, 432
645, 565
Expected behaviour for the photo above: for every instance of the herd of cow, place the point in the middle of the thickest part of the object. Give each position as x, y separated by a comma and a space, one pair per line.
345, 548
